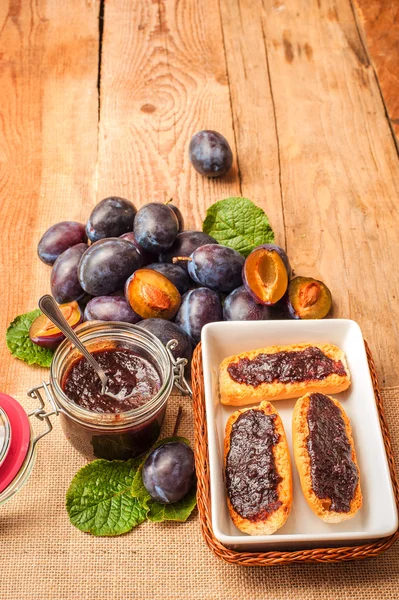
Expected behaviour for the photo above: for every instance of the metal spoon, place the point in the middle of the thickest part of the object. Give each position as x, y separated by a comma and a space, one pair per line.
49, 307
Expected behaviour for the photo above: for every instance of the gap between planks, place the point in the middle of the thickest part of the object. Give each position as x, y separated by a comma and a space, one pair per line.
230, 99
277, 138
100, 51
362, 39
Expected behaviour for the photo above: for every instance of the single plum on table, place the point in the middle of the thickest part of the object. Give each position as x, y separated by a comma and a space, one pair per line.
156, 227
106, 265
110, 218
217, 267
169, 472
65, 284
110, 308
58, 238
210, 153
199, 307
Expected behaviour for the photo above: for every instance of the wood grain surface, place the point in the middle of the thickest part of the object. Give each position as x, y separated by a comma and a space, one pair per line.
171, 83
253, 108
290, 84
379, 26
322, 117
48, 148
339, 166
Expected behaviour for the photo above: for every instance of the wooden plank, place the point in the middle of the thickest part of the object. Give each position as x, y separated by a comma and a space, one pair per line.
379, 24
171, 83
339, 167
48, 147
253, 110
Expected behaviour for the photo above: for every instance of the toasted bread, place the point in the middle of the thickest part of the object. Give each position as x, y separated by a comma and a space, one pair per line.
239, 394
271, 522
300, 434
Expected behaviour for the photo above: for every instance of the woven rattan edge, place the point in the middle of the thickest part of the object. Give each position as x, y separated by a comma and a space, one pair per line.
251, 559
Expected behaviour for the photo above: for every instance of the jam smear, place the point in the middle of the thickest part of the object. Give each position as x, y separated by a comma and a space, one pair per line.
286, 367
251, 475
127, 372
333, 472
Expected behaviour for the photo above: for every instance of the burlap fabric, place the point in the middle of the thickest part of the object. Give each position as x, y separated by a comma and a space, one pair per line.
44, 557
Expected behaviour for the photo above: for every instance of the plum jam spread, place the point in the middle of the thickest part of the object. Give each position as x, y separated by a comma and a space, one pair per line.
251, 475
285, 367
126, 371
333, 472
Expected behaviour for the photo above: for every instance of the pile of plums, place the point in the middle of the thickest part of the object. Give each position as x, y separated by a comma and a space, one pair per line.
141, 267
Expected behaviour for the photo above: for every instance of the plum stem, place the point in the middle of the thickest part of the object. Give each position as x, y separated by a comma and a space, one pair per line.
178, 421
177, 259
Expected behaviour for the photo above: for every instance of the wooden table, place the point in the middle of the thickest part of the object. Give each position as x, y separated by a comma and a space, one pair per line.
304, 90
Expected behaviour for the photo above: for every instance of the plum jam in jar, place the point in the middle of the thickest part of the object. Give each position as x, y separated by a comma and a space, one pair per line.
137, 364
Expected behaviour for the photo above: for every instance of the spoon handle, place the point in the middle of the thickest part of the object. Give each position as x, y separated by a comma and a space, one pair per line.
49, 307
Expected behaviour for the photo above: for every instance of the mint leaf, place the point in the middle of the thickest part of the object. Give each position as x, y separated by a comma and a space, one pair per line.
158, 512
20, 344
99, 499
239, 224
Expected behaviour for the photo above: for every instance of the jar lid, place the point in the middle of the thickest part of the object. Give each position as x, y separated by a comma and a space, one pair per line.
16, 420
5, 435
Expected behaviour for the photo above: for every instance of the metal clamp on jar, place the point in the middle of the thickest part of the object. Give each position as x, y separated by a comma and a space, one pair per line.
119, 435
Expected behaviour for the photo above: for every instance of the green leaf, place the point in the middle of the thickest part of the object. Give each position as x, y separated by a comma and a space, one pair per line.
239, 224
20, 344
99, 499
158, 512
178, 511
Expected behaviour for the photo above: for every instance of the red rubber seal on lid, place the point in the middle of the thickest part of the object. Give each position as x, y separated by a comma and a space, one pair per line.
20, 440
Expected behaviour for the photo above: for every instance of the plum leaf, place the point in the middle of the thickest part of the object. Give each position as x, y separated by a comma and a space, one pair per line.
238, 223
99, 499
20, 344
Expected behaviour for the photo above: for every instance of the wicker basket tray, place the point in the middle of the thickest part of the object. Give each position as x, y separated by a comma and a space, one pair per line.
251, 559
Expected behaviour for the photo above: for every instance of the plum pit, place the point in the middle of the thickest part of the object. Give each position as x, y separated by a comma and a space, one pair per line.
308, 298
152, 295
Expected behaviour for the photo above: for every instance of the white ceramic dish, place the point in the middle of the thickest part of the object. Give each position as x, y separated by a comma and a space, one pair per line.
378, 516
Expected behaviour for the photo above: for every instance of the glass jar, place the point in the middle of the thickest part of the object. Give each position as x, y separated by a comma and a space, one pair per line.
112, 435
95, 435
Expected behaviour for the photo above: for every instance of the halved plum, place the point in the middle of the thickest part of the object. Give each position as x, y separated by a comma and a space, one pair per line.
44, 333
308, 298
152, 295
266, 273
